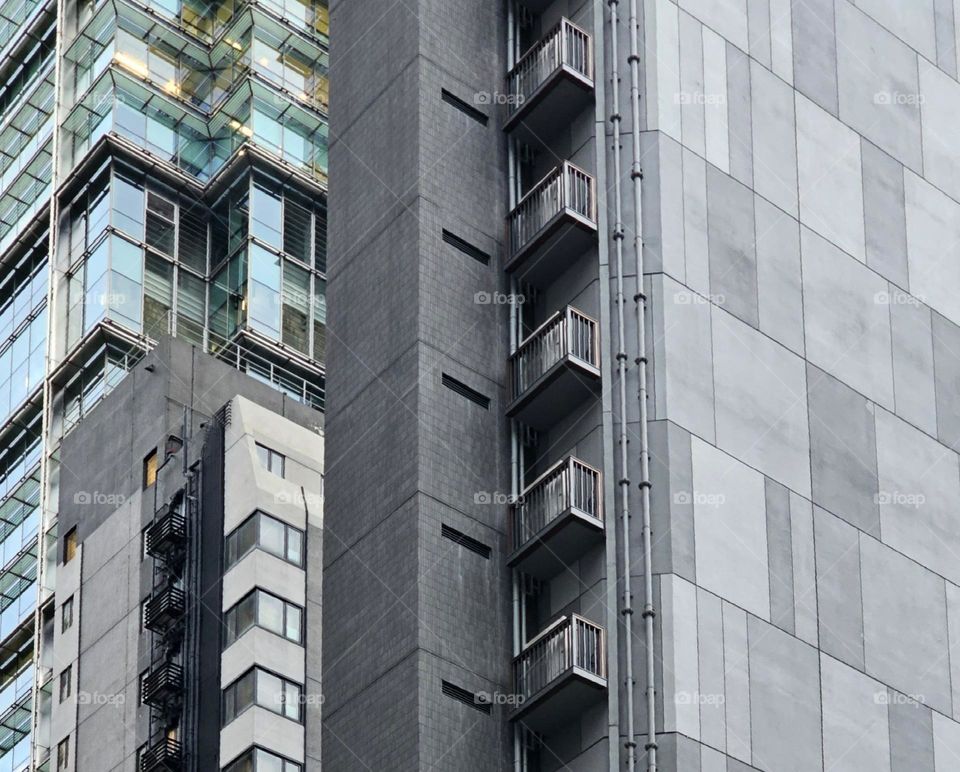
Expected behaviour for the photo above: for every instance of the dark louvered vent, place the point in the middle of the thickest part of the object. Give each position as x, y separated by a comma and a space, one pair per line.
475, 701
465, 541
465, 391
467, 109
466, 247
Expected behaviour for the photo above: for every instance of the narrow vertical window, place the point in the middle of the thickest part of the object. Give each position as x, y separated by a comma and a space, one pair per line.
66, 615
70, 545
150, 468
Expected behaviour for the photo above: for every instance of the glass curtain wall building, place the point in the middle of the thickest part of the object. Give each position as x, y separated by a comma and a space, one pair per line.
162, 172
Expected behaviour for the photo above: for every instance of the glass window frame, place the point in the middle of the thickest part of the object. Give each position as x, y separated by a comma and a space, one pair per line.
234, 629
253, 683
294, 542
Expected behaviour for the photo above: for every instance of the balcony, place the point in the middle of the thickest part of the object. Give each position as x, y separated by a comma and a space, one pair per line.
559, 673
164, 610
558, 517
163, 755
555, 369
552, 225
167, 534
163, 687
551, 83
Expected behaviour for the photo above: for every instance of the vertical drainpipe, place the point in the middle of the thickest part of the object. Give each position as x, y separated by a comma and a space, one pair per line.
624, 482
640, 300
514, 438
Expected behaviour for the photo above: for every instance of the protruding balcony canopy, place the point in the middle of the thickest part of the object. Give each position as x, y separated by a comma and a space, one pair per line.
555, 369
551, 83
553, 224
558, 517
559, 673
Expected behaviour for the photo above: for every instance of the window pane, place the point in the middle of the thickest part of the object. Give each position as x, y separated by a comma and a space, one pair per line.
193, 239
267, 762
295, 546
293, 623
269, 691
246, 614
160, 233
271, 613
291, 705
296, 230
190, 307
247, 537
266, 216
271, 535
128, 207
157, 295
296, 306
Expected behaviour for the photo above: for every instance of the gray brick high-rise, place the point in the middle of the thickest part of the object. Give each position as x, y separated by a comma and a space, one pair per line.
509, 408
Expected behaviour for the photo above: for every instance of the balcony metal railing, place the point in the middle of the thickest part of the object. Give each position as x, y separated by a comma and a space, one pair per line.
164, 755
566, 45
566, 187
163, 685
568, 333
164, 609
166, 534
570, 642
568, 484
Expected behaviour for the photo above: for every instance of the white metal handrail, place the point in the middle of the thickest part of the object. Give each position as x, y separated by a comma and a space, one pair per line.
564, 45
569, 483
571, 642
565, 187
567, 333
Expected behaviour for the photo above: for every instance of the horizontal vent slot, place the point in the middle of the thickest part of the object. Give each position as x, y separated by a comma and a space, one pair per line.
467, 698
466, 247
465, 541
454, 101
465, 391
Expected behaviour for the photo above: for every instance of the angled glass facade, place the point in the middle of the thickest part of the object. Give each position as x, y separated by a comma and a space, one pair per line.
163, 171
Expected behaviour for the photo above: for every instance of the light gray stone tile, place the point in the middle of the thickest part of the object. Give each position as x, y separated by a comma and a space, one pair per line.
785, 732
885, 214
843, 451
838, 588
879, 93
815, 52
761, 402
899, 599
